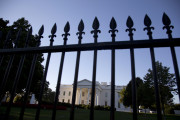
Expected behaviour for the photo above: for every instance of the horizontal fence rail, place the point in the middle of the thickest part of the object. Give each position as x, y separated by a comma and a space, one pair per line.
97, 46
130, 44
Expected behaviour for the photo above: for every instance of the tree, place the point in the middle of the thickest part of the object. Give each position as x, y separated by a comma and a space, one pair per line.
49, 96
122, 92
166, 83
38, 73
143, 98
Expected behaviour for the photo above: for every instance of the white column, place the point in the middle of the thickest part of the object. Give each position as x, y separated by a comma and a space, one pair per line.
80, 96
95, 102
99, 98
96, 99
88, 97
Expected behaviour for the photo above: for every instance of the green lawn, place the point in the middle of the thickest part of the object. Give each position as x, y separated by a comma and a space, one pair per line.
81, 114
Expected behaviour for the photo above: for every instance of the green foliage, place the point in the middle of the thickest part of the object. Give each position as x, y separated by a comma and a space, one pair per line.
143, 98
17, 98
146, 92
38, 73
166, 82
49, 95
122, 92
176, 107
169, 109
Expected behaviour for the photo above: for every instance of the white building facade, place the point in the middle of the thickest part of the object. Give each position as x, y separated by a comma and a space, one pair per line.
83, 94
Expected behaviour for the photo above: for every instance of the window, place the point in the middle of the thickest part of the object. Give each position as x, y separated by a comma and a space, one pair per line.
106, 94
119, 105
68, 100
62, 100
82, 102
64, 93
105, 103
69, 93
83, 94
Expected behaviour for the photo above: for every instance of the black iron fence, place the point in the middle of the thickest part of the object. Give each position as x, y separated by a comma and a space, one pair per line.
132, 44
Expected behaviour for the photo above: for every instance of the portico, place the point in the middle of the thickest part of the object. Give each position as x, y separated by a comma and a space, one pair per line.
83, 94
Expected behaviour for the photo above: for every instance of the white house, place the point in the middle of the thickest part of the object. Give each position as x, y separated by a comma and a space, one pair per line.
83, 94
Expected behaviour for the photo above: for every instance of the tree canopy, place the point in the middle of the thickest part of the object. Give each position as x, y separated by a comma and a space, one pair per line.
38, 73
145, 88
142, 97
166, 82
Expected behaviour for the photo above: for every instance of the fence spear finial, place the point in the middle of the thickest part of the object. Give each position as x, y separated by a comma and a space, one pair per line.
80, 29
147, 23
166, 21
130, 24
95, 25
113, 26
28, 36
54, 28
17, 37
81, 26
66, 30
41, 31
53, 31
67, 27
96, 30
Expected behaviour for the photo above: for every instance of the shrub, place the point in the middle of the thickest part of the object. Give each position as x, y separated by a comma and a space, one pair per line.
177, 107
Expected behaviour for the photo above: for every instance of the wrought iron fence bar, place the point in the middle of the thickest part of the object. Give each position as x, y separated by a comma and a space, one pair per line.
28, 85
93, 86
95, 31
8, 36
75, 86
58, 85
98, 46
59, 81
16, 81
7, 71
147, 22
157, 94
8, 68
29, 81
130, 24
176, 68
44, 79
112, 84
113, 26
167, 25
76, 75
18, 73
0, 36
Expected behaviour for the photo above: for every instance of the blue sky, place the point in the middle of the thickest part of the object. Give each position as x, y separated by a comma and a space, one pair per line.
47, 12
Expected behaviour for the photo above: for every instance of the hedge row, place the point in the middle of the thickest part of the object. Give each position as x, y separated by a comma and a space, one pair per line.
43, 106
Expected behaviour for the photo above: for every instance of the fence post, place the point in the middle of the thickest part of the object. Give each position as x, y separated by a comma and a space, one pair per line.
60, 75
147, 23
8, 68
95, 26
18, 73
167, 22
130, 24
33, 64
76, 70
53, 31
113, 26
